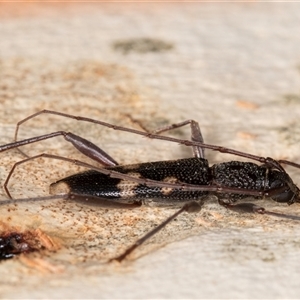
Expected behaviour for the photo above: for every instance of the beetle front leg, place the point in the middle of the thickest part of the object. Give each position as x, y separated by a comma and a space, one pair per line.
256, 209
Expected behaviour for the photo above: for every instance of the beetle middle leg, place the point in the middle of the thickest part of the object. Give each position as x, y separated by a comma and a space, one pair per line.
189, 207
196, 135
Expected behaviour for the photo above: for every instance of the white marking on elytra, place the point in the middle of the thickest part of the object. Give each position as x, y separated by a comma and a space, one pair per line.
59, 188
168, 190
127, 187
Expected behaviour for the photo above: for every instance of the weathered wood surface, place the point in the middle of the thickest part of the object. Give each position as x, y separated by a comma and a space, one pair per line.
232, 67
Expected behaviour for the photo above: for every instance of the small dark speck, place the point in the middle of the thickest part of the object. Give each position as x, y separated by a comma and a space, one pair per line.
142, 45
291, 98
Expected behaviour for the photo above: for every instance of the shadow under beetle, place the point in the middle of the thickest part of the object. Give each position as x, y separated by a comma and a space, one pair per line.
184, 183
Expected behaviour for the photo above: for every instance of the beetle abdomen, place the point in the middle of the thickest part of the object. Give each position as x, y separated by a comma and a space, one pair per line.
191, 170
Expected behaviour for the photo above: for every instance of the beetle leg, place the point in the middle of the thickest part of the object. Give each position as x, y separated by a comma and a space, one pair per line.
192, 206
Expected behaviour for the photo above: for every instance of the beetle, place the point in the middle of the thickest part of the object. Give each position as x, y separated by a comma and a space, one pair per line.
183, 183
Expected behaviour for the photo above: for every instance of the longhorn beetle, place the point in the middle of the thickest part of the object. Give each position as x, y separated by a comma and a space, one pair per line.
183, 183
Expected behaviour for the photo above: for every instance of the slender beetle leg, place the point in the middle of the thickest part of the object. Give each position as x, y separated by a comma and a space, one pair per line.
167, 182
188, 207
196, 135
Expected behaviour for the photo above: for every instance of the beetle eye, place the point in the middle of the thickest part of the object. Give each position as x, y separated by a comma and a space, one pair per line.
284, 196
